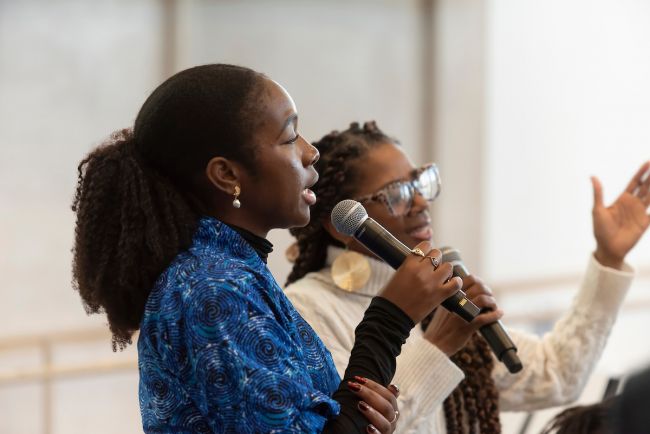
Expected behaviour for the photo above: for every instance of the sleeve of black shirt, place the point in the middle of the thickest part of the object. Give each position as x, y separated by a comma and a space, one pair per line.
378, 341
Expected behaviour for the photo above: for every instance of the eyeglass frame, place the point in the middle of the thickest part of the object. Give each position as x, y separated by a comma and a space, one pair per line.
381, 195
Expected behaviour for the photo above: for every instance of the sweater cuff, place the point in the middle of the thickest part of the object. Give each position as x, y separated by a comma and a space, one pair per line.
427, 374
604, 288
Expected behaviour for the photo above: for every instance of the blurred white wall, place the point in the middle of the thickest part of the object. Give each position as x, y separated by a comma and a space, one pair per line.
529, 99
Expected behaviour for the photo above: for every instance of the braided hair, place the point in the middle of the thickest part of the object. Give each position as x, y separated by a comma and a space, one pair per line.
140, 194
338, 152
474, 403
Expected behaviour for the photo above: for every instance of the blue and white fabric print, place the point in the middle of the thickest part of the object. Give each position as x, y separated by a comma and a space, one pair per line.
222, 350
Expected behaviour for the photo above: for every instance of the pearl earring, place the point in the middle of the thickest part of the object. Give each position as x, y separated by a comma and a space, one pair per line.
236, 203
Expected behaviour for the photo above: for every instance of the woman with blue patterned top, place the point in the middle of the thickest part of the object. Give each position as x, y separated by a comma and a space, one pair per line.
172, 217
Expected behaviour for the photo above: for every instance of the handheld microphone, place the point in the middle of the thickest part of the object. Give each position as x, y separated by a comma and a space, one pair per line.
350, 218
495, 335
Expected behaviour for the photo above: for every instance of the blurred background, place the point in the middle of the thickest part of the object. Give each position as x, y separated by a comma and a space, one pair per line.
518, 101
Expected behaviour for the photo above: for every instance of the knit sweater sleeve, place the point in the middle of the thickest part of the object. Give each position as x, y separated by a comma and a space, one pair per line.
557, 365
378, 341
425, 375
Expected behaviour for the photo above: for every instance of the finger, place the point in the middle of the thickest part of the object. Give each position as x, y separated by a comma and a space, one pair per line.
468, 282
385, 392
642, 192
486, 318
377, 410
454, 284
424, 246
374, 399
598, 192
485, 302
436, 255
370, 429
442, 274
378, 423
476, 290
636, 179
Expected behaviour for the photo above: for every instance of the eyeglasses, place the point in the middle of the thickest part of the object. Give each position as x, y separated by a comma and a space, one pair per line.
398, 196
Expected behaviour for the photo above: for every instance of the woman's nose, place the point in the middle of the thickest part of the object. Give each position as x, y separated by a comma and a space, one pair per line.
311, 154
419, 202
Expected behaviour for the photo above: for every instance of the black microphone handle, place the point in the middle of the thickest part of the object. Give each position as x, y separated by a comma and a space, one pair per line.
496, 336
379, 241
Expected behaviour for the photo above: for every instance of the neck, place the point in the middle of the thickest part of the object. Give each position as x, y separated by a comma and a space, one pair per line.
241, 220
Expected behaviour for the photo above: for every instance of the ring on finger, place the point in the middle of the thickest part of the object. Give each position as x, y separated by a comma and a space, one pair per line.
418, 252
434, 262
395, 417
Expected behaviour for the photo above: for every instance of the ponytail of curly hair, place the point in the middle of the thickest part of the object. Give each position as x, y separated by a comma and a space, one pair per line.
474, 403
140, 194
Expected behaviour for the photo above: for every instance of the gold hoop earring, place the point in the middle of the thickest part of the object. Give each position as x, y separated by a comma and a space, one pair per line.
236, 203
350, 271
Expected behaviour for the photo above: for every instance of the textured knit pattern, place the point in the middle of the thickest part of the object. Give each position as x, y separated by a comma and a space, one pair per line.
222, 350
556, 366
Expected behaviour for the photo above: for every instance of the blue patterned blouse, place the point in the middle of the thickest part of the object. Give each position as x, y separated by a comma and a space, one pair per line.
222, 350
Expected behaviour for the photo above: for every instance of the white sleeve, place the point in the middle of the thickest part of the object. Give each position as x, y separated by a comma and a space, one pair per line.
424, 375
557, 365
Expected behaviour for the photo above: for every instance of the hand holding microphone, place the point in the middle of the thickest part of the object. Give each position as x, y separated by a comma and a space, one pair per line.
449, 332
350, 218
429, 285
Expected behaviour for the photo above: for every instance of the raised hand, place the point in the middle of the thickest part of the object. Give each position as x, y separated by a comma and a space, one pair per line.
619, 227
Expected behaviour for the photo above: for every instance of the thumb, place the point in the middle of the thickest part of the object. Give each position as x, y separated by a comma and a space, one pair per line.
598, 192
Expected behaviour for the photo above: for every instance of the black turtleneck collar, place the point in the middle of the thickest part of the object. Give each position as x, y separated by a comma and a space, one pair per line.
261, 245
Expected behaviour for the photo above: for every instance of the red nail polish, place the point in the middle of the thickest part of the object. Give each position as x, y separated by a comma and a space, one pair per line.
395, 388
361, 380
363, 406
371, 429
354, 386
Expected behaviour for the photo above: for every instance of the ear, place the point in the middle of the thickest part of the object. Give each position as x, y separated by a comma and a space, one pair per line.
329, 227
224, 174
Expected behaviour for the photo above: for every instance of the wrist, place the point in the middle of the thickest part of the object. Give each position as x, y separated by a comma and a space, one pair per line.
608, 260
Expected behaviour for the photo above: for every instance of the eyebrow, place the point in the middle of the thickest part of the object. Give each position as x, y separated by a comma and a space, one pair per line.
291, 119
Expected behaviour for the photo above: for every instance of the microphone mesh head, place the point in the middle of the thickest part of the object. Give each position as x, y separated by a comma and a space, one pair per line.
347, 216
449, 254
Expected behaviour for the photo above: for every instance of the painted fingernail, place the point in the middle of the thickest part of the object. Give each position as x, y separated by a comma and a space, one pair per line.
354, 386
361, 380
394, 388
363, 406
371, 429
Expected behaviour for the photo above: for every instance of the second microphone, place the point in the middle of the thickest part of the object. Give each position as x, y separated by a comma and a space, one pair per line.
350, 218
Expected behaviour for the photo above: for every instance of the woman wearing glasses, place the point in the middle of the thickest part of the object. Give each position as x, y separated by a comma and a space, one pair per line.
334, 278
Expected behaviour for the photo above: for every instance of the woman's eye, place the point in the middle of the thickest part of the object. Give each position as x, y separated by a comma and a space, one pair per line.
293, 140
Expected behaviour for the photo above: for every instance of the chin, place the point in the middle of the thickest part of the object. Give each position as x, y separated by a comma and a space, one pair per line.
300, 220
412, 242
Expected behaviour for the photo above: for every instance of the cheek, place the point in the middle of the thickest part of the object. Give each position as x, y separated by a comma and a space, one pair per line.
380, 213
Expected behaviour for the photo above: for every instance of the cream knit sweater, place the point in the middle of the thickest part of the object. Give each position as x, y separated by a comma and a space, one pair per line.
556, 366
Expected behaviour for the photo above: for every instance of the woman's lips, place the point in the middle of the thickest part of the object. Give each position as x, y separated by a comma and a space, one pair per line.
423, 233
309, 196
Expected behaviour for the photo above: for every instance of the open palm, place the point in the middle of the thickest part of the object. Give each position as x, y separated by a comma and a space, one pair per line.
619, 227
